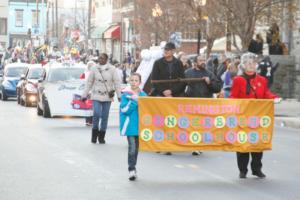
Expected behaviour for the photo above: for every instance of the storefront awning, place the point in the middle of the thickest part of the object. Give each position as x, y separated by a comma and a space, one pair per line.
112, 32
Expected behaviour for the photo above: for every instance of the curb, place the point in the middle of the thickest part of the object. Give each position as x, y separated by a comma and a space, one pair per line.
291, 122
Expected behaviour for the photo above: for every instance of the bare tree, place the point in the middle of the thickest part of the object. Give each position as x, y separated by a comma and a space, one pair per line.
213, 14
243, 16
175, 17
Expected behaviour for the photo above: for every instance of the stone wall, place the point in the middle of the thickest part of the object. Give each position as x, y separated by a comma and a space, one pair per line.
287, 77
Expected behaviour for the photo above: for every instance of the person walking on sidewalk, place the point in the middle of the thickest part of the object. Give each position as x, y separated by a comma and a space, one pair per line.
250, 85
103, 82
129, 120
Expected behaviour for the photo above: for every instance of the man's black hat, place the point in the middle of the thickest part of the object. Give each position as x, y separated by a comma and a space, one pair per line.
170, 46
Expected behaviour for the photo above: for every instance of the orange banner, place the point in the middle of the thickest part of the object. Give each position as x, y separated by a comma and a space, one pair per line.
189, 124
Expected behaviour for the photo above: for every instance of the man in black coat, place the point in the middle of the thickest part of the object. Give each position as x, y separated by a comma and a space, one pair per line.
166, 68
203, 88
206, 87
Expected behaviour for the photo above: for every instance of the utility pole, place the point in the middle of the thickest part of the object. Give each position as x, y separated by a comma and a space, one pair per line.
47, 21
37, 13
56, 16
53, 35
89, 19
75, 13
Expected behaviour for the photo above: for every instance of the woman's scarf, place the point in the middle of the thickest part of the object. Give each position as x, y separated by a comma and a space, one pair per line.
248, 79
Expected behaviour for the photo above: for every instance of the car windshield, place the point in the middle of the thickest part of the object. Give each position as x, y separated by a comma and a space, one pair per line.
35, 73
65, 74
15, 71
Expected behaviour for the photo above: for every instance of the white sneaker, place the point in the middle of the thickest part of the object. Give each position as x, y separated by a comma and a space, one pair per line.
132, 175
196, 153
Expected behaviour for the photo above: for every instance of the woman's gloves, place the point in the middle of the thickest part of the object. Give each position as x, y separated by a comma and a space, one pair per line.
277, 100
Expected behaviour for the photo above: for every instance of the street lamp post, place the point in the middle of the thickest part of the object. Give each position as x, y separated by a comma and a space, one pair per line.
198, 4
156, 12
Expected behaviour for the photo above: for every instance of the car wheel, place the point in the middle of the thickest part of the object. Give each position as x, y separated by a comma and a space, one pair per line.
46, 112
3, 96
39, 111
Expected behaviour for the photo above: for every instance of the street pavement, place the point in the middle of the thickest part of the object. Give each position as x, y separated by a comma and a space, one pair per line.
287, 113
53, 159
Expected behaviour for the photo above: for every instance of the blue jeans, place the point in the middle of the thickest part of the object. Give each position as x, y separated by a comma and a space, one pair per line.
133, 150
226, 93
101, 111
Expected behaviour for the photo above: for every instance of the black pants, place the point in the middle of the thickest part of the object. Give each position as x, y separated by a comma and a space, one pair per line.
243, 160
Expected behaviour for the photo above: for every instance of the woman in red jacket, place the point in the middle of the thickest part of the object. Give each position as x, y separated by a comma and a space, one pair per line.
250, 85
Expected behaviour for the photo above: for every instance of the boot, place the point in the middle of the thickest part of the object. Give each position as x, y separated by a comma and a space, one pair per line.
101, 136
94, 135
259, 174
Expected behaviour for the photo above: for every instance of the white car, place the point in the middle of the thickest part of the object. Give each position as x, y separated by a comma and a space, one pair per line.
60, 85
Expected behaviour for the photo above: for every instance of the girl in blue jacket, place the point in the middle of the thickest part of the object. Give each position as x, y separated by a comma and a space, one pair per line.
129, 120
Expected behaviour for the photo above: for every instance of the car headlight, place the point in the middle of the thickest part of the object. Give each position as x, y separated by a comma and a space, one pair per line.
30, 88
7, 85
32, 98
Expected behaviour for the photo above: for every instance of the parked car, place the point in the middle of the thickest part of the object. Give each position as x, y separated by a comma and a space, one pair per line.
56, 91
11, 77
27, 86
1, 75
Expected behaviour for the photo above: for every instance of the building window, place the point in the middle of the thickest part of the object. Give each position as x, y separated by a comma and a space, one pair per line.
19, 18
35, 22
3, 26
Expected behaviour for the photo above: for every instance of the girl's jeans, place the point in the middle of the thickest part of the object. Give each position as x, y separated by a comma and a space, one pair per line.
133, 149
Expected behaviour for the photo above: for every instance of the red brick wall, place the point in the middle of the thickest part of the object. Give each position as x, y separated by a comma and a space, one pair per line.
190, 47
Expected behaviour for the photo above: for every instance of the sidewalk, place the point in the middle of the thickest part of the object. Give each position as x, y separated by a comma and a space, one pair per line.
287, 114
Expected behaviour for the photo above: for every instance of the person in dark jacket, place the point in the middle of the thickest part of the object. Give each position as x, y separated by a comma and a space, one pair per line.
206, 87
273, 40
212, 65
267, 69
203, 88
167, 68
256, 46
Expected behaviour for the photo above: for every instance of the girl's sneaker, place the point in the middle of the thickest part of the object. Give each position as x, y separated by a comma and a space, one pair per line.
132, 175
196, 153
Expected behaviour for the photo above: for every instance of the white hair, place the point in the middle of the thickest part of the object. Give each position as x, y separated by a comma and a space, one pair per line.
247, 58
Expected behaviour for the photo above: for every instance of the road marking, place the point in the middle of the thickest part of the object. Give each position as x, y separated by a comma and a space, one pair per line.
179, 166
193, 166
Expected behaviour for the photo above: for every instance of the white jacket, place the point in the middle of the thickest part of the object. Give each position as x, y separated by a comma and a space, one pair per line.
101, 80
